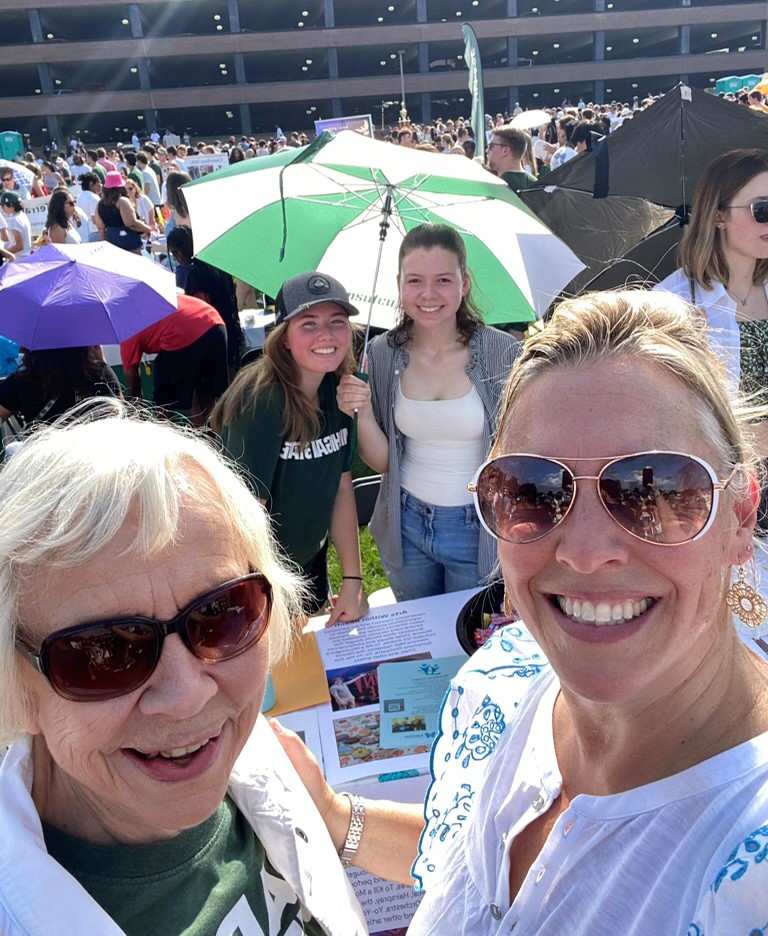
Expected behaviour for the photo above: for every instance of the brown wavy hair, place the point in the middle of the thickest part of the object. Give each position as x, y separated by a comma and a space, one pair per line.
426, 237
276, 368
701, 250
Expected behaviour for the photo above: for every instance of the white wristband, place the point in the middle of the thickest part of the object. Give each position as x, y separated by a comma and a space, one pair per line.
355, 830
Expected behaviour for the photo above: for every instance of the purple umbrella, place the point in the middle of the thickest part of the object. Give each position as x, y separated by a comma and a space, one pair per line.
70, 295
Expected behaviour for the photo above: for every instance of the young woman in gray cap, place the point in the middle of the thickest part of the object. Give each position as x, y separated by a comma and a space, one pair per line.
280, 421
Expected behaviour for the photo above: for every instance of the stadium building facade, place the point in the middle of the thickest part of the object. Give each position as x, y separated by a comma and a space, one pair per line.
220, 67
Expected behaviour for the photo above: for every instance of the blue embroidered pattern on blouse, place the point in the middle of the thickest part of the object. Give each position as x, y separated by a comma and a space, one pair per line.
465, 741
695, 930
453, 818
525, 665
482, 734
753, 850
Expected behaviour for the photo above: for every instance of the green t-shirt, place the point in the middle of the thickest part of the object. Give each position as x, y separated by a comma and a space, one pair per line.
155, 167
298, 485
518, 181
137, 177
100, 172
213, 880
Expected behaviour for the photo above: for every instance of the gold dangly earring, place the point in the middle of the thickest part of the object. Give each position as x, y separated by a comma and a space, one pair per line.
509, 608
745, 601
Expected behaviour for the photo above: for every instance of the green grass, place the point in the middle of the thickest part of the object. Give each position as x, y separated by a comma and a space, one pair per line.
360, 469
373, 573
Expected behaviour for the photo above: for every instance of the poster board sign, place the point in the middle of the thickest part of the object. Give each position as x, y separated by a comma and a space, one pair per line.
37, 211
417, 641
361, 123
198, 166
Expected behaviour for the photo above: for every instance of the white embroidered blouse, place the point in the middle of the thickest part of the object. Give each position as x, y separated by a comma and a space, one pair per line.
684, 856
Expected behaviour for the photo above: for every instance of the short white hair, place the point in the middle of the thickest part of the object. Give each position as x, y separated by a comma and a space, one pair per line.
69, 490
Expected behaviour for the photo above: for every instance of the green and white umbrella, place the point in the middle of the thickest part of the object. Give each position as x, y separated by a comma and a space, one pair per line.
325, 206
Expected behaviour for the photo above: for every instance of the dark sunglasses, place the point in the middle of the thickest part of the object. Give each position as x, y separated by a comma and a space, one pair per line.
665, 498
759, 210
107, 659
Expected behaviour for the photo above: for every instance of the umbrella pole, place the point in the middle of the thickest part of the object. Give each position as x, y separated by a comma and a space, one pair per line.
386, 212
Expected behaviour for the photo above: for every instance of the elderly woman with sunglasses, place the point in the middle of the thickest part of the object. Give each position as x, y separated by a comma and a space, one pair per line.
603, 766
142, 603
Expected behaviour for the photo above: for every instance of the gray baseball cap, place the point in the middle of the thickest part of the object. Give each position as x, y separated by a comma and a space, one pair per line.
301, 292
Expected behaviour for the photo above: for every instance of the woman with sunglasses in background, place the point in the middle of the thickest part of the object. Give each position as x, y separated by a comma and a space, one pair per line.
724, 265
602, 766
145, 210
62, 225
427, 418
724, 272
142, 602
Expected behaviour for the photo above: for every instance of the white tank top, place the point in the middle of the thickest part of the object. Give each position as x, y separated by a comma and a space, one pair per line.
443, 446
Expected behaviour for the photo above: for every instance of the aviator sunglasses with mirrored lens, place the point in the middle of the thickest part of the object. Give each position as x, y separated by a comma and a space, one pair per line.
106, 659
665, 498
759, 210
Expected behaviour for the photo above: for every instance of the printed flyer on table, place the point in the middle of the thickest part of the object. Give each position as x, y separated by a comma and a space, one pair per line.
412, 649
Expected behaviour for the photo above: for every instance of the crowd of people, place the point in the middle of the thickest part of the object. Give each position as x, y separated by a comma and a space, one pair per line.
600, 766
153, 172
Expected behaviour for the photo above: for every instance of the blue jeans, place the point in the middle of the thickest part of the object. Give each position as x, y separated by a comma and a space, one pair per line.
439, 549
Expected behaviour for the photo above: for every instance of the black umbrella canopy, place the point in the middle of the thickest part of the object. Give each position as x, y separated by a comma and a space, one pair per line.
600, 231
662, 151
638, 179
645, 264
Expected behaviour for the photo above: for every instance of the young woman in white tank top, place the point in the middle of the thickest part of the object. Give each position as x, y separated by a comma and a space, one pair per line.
427, 421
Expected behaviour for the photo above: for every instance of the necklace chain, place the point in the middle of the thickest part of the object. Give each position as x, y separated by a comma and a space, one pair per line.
738, 297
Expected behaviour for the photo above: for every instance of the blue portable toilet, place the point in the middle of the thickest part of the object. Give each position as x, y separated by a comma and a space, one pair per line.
11, 144
734, 84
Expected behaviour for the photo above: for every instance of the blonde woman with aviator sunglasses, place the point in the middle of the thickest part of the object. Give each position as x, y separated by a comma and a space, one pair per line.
602, 765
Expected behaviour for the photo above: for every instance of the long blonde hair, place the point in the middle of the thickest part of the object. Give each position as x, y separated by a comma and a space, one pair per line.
276, 369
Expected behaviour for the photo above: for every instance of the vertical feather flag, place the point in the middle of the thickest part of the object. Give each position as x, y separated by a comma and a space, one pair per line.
472, 58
